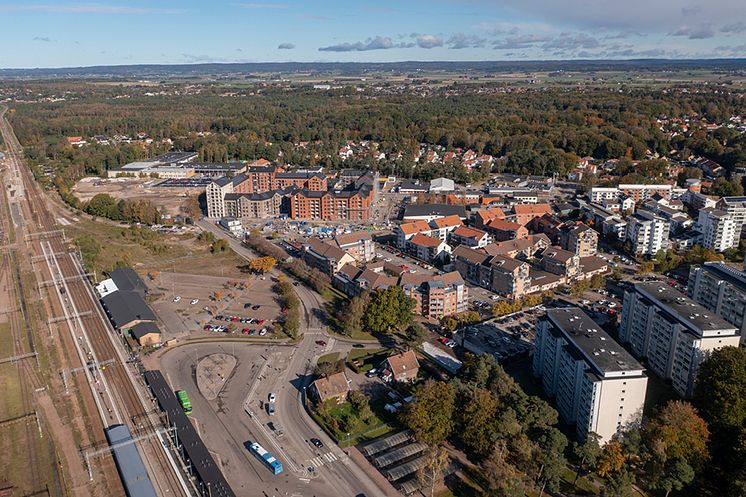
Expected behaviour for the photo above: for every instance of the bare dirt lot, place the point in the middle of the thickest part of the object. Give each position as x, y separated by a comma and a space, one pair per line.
171, 199
183, 319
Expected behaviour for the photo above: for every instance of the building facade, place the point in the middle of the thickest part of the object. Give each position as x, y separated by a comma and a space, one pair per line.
436, 296
719, 229
596, 384
647, 233
721, 289
673, 332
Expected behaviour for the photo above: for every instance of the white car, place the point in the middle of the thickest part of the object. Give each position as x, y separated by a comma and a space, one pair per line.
272, 397
194, 301
177, 298
612, 304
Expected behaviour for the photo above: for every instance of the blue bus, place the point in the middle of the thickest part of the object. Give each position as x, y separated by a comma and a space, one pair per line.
266, 458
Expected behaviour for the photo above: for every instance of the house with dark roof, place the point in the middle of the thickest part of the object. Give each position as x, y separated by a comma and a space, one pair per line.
334, 387
126, 308
401, 367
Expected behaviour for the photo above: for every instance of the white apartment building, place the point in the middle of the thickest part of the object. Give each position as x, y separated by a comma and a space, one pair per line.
597, 385
638, 193
721, 289
647, 232
720, 231
736, 206
673, 332
215, 195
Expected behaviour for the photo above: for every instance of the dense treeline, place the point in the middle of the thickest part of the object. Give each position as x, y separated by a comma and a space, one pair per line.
536, 132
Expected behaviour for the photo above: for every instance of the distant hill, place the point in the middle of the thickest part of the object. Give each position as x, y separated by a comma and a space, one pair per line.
362, 68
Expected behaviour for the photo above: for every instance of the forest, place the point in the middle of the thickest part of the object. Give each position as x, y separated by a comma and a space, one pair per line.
529, 131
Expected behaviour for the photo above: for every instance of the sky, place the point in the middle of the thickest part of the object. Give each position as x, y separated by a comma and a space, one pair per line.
70, 34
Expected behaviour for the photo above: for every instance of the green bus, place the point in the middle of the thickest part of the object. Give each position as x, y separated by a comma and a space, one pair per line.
186, 404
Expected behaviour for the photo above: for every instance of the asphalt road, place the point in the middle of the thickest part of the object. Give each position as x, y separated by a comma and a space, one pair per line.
286, 371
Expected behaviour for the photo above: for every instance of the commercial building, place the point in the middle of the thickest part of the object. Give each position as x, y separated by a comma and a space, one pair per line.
721, 289
647, 233
673, 332
719, 229
428, 212
597, 385
436, 296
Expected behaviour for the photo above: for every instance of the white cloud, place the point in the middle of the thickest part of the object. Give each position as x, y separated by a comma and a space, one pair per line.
429, 41
376, 43
274, 6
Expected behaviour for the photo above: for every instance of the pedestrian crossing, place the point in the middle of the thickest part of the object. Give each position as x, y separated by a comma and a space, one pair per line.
327, 458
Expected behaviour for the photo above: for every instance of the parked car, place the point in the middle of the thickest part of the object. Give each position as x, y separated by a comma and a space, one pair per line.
321, 343
177, 298
272, 397
194, 301
262, 332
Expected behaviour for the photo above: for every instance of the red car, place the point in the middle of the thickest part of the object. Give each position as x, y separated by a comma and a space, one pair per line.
245, 331
442, 340
234, 318
261, 321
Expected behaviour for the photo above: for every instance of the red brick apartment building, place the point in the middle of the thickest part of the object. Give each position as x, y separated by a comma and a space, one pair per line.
345, 205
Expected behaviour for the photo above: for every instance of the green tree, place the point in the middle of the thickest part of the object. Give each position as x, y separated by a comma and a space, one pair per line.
220, 246
586, 454
679, 432
619, 484
104, 205
415, 335
431, 414
720, 392
726, 188
478, 413
501, 477
676, 474
551, 458
390, 309
354, 313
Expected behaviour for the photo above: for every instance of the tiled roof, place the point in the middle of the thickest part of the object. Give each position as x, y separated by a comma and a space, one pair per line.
425, 241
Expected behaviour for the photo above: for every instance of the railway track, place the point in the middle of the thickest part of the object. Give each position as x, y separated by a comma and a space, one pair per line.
121, 401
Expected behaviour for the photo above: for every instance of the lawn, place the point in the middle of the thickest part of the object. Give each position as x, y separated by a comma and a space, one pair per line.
331, 357
363, 360
336, 419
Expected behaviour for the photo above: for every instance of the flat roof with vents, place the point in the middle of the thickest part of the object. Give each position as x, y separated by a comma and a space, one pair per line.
588, 340
699, 320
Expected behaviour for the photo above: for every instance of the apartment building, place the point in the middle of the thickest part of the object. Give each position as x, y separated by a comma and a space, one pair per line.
314, 182
405, 232
444, 226
427, 248
736, 206
523, 213
672, 332
638, 193
596, 384
325, 257
556, 260
580, 239
436, 296
470, 237
502, 230
719, 229
253, 205
216, 191
343, 205
503, 275
721, 289
359, 244
647, 232
260, 175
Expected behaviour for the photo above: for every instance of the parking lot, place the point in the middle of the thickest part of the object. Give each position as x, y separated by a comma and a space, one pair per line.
504, 345
391, 254
186, 303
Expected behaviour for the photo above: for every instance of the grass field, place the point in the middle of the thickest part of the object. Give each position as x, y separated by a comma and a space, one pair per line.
15, 444
104, 246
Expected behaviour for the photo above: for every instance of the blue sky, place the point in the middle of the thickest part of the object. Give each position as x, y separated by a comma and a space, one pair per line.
61, 33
